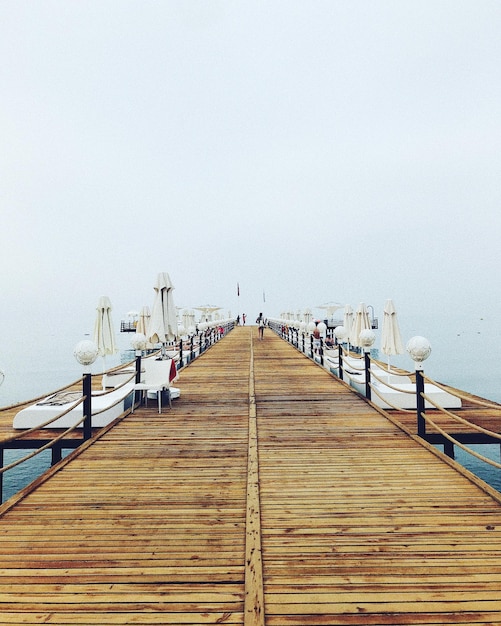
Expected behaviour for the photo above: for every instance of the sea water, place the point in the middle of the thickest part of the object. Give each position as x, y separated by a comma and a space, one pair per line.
465, 354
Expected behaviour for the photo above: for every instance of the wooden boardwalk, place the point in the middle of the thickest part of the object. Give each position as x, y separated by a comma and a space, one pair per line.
269, 494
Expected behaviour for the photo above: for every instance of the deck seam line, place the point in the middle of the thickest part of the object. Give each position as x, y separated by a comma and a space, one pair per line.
254, 611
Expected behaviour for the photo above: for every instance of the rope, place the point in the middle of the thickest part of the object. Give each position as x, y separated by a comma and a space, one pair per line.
487, 405
480, 429
107, 408
349, 374
392, 406
391, 386
456, 443
355, 367
99, 394
43, 425
42, 448
34, 400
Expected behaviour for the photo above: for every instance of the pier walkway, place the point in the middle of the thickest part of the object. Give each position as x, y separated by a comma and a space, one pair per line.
269, 494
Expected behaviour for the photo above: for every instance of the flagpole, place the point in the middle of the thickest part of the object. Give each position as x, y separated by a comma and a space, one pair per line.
238, 301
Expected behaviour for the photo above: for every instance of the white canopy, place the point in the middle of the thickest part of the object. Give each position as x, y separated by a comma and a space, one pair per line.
104, 333
163, 322
391, 340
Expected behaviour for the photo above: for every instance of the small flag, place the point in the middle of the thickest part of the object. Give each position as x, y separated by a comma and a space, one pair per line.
238, 289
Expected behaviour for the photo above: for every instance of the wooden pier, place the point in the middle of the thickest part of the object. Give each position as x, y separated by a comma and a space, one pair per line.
269, 494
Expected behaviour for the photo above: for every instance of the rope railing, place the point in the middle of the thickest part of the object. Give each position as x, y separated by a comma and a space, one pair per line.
390, 371
59, 439
389, 385
345, 369
390, 404
105, 392
461, 420
46, 446
37, 398
36, 428
111, 406
468, 398
353, 367
460, 445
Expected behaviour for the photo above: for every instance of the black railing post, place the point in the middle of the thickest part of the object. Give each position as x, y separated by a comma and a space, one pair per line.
87, 405
1, 475
420, 404
137, 394
367, 359
138, 366
321, 351
181, 352
340, 360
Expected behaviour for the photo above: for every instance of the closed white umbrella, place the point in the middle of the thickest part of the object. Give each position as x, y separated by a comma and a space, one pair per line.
348, 322
143, 322
163, 322
104, 333
391, 340
361, 322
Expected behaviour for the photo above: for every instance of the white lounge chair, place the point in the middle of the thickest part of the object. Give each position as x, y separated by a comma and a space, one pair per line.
157, 377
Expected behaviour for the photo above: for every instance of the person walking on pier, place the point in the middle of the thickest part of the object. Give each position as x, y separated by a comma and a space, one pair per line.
260, 323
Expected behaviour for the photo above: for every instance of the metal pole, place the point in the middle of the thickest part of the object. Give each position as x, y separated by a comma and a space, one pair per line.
137, 394
1, 475
420, 404
87, 407
340, 360
367, 358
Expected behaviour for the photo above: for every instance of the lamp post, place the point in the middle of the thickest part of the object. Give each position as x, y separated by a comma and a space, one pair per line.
367, 338
419, 349
86, 353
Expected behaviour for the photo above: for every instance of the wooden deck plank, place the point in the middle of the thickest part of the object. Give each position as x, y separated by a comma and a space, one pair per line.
270, 489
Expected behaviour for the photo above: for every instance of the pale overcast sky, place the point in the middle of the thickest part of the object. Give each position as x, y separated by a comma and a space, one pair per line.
316, 151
